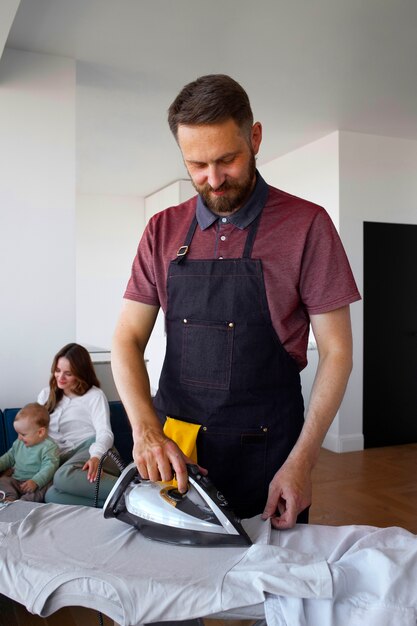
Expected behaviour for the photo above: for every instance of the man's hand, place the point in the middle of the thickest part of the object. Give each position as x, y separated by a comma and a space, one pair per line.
290, 489
91, 467
157, 458
28, 486
289, 494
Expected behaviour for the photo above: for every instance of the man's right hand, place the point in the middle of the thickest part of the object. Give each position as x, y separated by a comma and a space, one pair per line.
158, 458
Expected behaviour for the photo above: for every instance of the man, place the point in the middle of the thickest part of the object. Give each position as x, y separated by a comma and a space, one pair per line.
240, 271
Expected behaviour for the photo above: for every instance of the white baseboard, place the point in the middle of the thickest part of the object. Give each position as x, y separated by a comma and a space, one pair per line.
343, 443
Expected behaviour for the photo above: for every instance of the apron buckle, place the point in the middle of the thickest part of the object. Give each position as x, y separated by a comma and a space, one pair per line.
182, 251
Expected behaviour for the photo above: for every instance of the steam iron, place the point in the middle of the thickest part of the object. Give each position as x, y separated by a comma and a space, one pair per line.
200, 517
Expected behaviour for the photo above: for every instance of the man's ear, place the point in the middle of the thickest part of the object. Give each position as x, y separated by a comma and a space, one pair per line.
256, 136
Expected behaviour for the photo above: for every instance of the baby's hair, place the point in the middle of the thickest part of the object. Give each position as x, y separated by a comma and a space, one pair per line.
35, 412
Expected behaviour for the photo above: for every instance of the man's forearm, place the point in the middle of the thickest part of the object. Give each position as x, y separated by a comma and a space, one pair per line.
157, 457
132, 382
326, 396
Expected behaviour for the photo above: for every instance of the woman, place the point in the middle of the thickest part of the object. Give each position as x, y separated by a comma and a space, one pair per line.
80, 425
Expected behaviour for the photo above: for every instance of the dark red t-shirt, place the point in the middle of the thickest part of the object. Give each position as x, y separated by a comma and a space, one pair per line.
305, 267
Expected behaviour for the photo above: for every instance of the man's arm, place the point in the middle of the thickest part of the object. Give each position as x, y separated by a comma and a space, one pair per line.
290, 489
155, 455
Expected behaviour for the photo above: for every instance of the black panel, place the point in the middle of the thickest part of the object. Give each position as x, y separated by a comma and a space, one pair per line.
390, 334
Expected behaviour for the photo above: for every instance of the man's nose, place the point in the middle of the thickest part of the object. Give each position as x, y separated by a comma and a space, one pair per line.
215, 177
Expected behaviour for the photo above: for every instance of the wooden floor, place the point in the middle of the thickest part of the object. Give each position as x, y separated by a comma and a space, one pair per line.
376, 487
14, 614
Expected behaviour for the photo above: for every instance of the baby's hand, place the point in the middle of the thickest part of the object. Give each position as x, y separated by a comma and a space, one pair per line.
28, 486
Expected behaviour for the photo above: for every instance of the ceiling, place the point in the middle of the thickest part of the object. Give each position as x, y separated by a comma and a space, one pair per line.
310, 67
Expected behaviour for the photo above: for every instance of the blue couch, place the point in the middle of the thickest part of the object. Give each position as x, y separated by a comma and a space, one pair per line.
118, 419
3, 446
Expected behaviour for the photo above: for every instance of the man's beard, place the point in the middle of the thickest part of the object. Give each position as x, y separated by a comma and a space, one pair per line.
228, 204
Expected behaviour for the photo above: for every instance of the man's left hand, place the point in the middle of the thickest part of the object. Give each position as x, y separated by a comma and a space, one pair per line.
289, 493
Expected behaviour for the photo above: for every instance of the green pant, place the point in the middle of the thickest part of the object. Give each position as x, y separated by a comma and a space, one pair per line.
70, 484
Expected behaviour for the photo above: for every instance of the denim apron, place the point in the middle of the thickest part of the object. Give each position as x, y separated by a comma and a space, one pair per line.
226, 369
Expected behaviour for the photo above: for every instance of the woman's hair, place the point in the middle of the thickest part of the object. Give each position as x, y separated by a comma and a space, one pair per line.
211, 99
81, 367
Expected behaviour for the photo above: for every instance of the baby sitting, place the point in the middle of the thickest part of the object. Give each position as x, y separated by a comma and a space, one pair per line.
33, 458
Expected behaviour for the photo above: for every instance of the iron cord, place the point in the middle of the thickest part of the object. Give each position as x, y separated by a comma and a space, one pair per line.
121, 466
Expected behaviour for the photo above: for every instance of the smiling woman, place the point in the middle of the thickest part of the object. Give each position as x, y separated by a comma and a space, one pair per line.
80, 425
64, 377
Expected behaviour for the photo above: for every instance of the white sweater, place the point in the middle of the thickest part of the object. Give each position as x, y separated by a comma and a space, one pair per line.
79, 418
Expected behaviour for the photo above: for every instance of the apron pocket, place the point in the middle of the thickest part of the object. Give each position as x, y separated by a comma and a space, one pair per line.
207, 354
237, 465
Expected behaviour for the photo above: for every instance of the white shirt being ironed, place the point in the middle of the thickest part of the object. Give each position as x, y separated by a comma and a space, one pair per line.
76, 419
65, 555
309, 576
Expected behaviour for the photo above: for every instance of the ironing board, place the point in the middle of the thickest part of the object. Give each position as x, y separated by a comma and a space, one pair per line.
55, 555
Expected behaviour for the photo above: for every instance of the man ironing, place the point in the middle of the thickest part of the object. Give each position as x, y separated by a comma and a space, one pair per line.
240, 271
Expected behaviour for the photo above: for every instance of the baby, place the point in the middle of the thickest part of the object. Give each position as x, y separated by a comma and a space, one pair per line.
33, 457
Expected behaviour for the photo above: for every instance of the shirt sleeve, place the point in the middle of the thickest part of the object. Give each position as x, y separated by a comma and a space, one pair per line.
7, 460
100, 416
326, 280
142, 282
43, 395
49, 464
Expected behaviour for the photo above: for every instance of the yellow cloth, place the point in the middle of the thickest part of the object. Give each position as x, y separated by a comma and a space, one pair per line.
184, 434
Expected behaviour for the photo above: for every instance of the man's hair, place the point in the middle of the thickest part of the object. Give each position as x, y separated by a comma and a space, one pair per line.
35, 412
211, 99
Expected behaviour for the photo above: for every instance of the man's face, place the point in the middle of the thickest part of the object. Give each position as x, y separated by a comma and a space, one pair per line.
220, 162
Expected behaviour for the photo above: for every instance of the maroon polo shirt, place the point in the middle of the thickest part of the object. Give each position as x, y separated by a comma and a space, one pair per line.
305, 267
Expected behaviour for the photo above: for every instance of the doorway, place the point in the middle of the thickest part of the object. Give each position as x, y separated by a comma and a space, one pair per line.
390, 334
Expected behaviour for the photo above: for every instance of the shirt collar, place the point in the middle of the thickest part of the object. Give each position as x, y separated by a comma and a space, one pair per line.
246, 214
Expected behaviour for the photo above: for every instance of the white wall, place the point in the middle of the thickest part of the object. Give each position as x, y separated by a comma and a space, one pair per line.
108, 229
37, 200
378, 183
171, 195
8, 10
311, 172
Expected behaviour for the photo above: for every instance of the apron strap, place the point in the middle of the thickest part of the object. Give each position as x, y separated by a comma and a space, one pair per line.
250, 239
182, 251
247, 252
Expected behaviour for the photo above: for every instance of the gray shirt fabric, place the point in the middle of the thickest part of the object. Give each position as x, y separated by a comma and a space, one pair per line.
60, 556
69, 555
